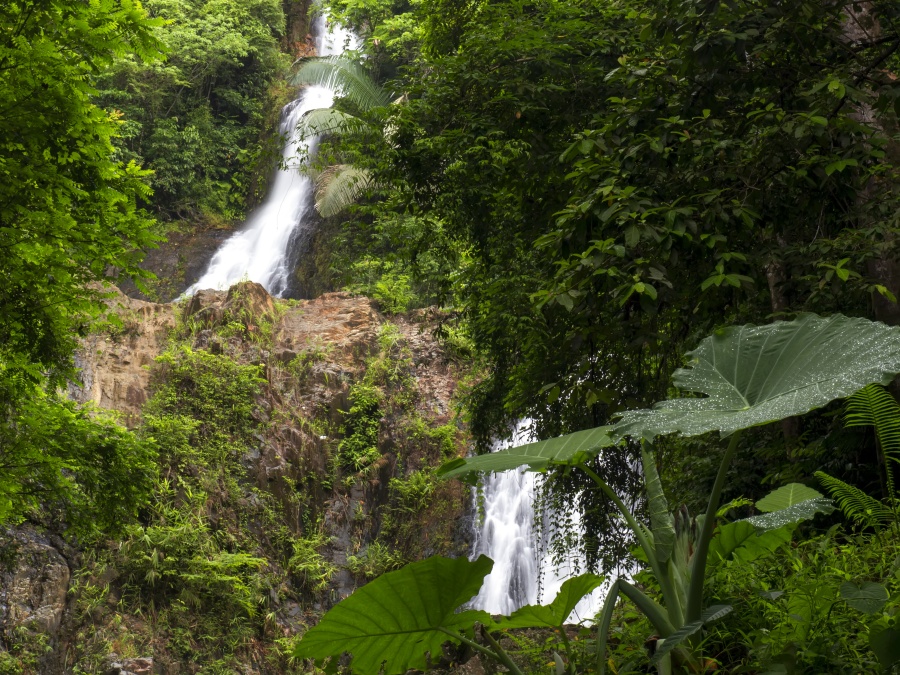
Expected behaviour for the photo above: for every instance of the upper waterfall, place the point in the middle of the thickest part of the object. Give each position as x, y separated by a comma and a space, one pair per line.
259, 250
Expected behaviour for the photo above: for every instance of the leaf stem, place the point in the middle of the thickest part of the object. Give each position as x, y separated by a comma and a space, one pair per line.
501, 653
698, 565
640, 532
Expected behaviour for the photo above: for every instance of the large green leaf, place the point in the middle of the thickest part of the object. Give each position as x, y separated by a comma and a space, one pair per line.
787, 496
740, 541
792, 514
885, 642
569, 449
868, 597
557, 612
754, 375
395, 620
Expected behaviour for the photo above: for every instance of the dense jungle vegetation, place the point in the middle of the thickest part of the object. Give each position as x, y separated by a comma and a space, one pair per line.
595, 193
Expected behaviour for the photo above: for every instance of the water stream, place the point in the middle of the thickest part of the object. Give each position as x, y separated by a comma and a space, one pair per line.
524, 572
260, 250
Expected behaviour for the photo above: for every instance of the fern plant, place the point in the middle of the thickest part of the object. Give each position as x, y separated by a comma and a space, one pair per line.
874, 406
856, 505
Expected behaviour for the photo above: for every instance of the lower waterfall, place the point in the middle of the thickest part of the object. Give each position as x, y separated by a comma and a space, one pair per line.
524, 572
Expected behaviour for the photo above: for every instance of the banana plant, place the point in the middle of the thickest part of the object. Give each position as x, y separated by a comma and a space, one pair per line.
748, 376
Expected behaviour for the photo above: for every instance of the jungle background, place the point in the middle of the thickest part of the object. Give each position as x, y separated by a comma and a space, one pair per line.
565, 197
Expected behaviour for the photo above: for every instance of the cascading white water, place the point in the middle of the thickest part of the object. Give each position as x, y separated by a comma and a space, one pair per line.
522, 575
259, 251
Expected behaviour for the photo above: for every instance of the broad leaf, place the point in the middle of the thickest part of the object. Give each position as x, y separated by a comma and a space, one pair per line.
867, 597
787, 496
753, 375
662, 524
395, 620
709, 615
740, 541
792, 514
557, 612
568, 449
885, 642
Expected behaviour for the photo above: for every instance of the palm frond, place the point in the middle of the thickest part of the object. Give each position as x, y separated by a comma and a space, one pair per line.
339, 186
856, 504
873, 405
347, 77
328, 121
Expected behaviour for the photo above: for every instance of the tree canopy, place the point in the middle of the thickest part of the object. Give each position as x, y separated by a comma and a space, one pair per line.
69, 221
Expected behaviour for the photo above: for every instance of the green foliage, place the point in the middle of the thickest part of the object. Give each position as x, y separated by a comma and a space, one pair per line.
68, 466
384, 282
375, 560
874, 406
197, 119
856, 505
358, 450
751, 376
25, 649
399, 618
69, 223
309, 564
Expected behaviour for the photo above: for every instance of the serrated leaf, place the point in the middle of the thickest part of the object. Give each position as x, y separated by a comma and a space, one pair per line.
792, 514
786, 496
867, 597
753, 375
709, 615
396, 620
568, 449
557, 612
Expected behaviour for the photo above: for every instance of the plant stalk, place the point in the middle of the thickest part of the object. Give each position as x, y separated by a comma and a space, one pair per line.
698, 565
671, 599
483, 650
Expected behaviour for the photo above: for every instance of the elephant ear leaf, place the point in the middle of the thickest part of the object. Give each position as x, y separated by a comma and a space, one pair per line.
787, 496
788, 504
568, 449
753, 375
557, 612
868, 597
395, 622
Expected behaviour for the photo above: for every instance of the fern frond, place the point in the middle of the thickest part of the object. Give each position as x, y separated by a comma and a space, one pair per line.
339, 186
874, 406
328, 121
346, 77
856, 504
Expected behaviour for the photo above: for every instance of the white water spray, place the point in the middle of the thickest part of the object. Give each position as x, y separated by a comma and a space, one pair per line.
259, 251
523, 573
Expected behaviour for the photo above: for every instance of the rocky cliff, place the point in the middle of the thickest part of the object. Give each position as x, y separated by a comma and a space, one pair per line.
296, 441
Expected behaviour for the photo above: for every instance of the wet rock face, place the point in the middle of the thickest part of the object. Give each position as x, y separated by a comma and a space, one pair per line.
34, 583
311, 354
115, 366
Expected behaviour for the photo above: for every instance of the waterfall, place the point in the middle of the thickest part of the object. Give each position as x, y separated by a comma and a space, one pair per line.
523, 573
259, 251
